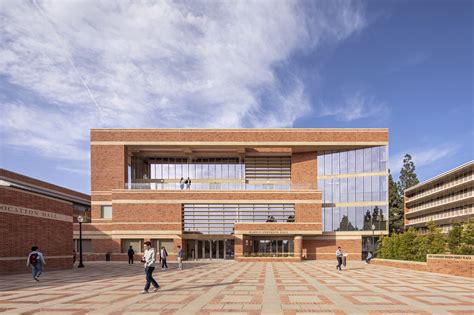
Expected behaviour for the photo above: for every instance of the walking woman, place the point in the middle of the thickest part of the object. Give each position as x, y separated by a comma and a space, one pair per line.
149, 260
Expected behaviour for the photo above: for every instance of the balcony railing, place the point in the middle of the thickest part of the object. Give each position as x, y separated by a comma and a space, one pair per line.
221, 186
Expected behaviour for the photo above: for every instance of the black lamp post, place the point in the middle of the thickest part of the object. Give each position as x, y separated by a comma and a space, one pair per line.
80, 219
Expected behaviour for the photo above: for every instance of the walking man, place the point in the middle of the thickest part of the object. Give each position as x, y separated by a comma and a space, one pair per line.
36, 261
163, 255
180, 258
188, 183
131, 252
369, 257
149, 260
339, 255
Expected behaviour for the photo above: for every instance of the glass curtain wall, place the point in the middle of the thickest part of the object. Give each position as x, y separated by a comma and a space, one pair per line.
342, 180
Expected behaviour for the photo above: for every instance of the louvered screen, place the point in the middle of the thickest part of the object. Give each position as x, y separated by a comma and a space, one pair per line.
268, 168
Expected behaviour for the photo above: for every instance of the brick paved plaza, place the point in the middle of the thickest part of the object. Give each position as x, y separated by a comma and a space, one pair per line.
238, 288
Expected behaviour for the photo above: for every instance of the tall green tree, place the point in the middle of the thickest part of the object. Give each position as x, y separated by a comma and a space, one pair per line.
454, 238
395, 205
408, 176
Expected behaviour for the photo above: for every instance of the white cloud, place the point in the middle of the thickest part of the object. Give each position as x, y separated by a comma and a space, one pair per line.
157, 64
356, 106
423, 156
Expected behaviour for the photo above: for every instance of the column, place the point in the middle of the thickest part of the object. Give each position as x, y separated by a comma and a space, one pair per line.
298, 246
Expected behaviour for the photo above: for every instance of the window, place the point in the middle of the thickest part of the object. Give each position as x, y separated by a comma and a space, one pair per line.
106, 212
137, 245
86, 246
166, 243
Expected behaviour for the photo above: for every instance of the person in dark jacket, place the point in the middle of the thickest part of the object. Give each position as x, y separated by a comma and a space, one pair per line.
131, 252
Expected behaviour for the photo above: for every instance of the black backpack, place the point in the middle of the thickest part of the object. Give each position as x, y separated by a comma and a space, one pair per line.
34, 258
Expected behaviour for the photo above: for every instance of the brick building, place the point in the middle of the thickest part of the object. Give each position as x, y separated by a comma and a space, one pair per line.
255, 194
33, 212
443, 199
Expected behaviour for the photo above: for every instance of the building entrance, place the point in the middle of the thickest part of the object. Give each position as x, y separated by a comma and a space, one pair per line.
210, 249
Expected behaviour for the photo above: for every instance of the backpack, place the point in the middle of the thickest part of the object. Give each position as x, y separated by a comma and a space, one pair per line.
34, 258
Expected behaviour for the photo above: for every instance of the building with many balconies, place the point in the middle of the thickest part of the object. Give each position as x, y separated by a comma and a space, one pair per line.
443, 199
287, 194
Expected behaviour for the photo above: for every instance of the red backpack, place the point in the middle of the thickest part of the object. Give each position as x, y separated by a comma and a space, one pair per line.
34, 259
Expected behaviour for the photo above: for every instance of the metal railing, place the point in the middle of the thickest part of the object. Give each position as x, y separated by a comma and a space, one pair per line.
220, 186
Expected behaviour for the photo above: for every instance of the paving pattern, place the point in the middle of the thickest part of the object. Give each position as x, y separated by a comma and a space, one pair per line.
238, 288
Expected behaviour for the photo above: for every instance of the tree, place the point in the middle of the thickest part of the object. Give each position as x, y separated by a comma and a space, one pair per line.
435, 242
291, 218
395, 205
271, 219
467, 238
454, 238
408, 176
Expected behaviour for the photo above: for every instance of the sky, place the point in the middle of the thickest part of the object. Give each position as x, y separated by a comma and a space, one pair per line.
68, 66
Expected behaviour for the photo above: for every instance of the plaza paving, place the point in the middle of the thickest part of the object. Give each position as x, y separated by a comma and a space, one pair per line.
238, 288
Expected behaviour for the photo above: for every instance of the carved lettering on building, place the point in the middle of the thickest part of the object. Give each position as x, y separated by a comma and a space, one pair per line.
34, 213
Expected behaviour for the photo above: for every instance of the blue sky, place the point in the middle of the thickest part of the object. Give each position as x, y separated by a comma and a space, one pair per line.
66, 67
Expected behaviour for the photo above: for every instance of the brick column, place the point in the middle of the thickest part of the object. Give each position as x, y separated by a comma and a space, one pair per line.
298, 246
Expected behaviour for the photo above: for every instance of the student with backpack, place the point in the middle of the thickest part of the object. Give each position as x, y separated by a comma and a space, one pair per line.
36, 261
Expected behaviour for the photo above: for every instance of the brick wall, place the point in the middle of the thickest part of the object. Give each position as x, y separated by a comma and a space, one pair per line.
19, 232
325, 248
456, 265
108, 167
304, 170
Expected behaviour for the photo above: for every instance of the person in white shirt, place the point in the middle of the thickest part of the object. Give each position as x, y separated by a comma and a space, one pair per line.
149, 260
36, 261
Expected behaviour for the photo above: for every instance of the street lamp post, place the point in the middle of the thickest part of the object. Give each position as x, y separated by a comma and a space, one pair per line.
80, 219
373, 237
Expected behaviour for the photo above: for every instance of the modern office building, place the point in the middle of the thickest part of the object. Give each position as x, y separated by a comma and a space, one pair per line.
33, 212
283, 194
443, 199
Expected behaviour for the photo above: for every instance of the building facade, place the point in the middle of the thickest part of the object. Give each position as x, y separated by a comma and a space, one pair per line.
33, 212
443, 199
284, 194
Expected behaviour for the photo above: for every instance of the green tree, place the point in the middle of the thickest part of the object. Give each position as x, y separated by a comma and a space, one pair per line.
467, 238
408, 176
395, 205
454, 238
435, 240
407, 249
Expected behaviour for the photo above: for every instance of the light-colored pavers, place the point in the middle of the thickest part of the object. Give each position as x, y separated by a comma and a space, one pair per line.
313, 287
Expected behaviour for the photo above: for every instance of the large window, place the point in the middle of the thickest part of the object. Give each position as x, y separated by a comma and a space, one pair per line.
106, 212
220, 218
86, 246
355, 218
166, 243
137, 245
367, 160
271, 247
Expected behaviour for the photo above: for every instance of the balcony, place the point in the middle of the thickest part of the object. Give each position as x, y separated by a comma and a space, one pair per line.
226, 185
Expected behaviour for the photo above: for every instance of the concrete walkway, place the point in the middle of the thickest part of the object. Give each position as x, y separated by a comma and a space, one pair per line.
238, 288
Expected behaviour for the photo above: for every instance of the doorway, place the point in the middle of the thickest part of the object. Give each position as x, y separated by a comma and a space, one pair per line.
210, 249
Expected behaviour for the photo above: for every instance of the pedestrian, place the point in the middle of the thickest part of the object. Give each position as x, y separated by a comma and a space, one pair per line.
149, 260
131, 252
339, 255
36, 261
180, 258
181, 183
73, 257
163, 255
369, 257
188, 183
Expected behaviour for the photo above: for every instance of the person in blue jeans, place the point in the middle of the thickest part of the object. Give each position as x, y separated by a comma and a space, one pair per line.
149, 260
36, 261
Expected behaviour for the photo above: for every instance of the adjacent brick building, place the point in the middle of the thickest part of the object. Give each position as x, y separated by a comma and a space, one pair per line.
443, 199
287, 194
33, 212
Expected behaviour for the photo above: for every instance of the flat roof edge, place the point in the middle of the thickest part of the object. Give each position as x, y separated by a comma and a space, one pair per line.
432, 179
237, 129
